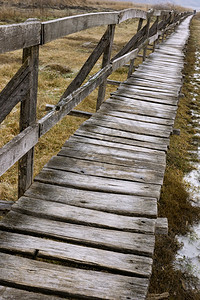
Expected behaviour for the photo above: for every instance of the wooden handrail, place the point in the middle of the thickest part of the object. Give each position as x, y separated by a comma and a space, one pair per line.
23, 86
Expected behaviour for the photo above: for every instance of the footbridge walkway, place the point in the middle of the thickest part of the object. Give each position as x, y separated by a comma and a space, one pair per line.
85, 228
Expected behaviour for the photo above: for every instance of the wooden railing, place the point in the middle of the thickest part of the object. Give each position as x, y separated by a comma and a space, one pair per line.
23, 86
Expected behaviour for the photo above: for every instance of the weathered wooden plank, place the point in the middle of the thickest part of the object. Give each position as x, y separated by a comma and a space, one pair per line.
93, 183
108, 202
58, 28
122, 134
142, 91
13, 293
18, 36
58, 280
67, 104
77, 215
134, 164
131, 125
138, 95
142, 107
161, 226
138, 172
76, 142
17, 147
121, 241
131, 14
131, 116
120, 140
5, 206
155, 77
152, 84
130, 152
15, 90
98, 259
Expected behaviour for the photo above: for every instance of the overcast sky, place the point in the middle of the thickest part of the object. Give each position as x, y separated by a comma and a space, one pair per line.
187, 3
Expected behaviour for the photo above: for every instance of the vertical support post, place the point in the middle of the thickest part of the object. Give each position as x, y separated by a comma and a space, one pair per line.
155, 42
131, 67
28, 117
147, 35
106, 61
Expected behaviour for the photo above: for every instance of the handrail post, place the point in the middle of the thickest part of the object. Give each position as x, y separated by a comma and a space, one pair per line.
131, 67
146, 35
156, 41
28, 117
106, 61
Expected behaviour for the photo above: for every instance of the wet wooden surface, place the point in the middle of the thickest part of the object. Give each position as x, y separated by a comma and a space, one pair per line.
85, 229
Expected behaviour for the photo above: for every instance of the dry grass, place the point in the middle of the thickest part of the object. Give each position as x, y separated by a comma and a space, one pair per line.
68, 55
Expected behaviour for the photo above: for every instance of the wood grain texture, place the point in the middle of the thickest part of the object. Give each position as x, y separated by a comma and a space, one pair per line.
93, 183
107, 202
102, 136
15, 91
122, 134
66, 281
136, 173
116, 153
13, 293
120, 241
97, 259
18, 36
17, 147
71, 214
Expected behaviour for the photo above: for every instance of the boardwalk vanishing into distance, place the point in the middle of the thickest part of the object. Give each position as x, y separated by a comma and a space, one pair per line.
85, 228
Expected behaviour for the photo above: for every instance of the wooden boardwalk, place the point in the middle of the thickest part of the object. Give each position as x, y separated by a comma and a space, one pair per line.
86, 227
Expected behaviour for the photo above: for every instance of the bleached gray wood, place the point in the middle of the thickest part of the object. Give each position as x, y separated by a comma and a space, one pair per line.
131, 125
105, 62
28, 115
142, 107
69, 282
98, 259
139, 172
18, 36
15, 91
121, 241
13, 293
122, 60
122, 134
131, 116
77, 215
17, 147
75, 142
129, 152
161, 226
5, 206
100, 184
131, 14
108, 202
102, 136
58, 28
133, 163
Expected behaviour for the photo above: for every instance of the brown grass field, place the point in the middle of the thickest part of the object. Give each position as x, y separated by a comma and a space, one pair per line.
60, 61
